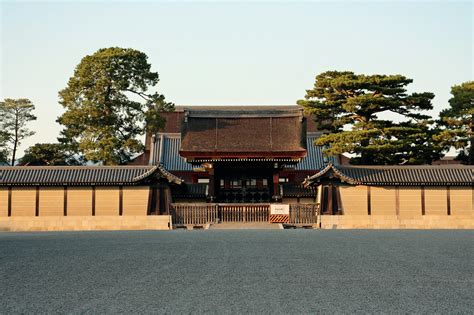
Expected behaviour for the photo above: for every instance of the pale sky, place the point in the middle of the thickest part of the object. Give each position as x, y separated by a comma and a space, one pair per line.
255, 53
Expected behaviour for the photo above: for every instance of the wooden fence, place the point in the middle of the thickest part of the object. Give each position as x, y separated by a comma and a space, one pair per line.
205, 213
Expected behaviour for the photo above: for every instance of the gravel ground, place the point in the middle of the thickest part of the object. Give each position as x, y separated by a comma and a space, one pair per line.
284, 271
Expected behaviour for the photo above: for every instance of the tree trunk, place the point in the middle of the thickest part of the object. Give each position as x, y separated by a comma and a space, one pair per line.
15, 140
14, 153
470, 159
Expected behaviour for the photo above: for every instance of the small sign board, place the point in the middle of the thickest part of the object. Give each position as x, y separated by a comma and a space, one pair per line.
280, 209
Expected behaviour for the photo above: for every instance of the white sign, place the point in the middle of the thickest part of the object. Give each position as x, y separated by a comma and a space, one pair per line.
279, 209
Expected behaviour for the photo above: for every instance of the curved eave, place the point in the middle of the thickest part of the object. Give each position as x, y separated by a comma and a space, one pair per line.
158, 169
331, 172
335, 173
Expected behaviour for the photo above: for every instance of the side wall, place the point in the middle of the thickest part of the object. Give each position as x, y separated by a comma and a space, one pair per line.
404, 207
77, 208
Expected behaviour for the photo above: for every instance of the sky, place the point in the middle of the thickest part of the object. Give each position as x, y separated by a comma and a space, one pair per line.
234, 53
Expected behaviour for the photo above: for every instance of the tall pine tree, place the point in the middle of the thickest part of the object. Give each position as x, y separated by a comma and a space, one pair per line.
458, 121
108, 105
347, 106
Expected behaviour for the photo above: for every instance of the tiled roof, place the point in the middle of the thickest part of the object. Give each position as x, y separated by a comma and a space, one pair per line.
292, 190
314, 160
81, 175
247, 131
190, 191
416, 175
165, 151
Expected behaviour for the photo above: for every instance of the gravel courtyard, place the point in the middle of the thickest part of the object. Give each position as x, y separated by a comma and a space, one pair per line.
246, 271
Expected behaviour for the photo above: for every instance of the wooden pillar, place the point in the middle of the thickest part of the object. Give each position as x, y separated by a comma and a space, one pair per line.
65, 202
10, 201
330, 205
423, 204
369, 205
397, 200
212, 185
276, 182
338, 200
93, 200
37, 201
167, 199
448, 199
120, 200
157, 193
150, 201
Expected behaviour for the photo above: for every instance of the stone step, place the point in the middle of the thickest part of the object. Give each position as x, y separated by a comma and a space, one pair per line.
246, 226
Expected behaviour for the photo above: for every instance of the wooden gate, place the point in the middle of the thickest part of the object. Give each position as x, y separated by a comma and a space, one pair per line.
301, 213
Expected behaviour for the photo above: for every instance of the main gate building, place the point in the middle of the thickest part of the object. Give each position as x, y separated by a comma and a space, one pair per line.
238, 154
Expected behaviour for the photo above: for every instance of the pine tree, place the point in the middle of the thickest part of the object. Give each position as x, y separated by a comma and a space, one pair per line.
108, 105
347, 106
457, 121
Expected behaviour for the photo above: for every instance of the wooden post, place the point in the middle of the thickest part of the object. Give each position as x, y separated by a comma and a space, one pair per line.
157, 193
276, 181
37, 201
330, 205
212, 184
423, 204
65, 202
369, 206
150, 200
120, 200
397, 200
448, 199
10, 201
93, 200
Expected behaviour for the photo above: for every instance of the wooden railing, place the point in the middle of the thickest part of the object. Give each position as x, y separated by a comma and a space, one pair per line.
205, 213
193, 213
243, 212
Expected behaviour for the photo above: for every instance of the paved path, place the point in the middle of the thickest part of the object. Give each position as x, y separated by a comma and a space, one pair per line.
284, 271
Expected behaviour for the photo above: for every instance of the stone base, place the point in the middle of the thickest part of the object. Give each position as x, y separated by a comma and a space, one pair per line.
396, 222
85, 223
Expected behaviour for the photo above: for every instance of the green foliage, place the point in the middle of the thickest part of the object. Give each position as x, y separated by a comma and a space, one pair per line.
14, 116
48, 154
457, 121
108, 105
347, 105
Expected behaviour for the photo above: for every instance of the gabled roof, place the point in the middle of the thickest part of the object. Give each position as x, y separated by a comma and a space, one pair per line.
410, 175
244, 132
82, 175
